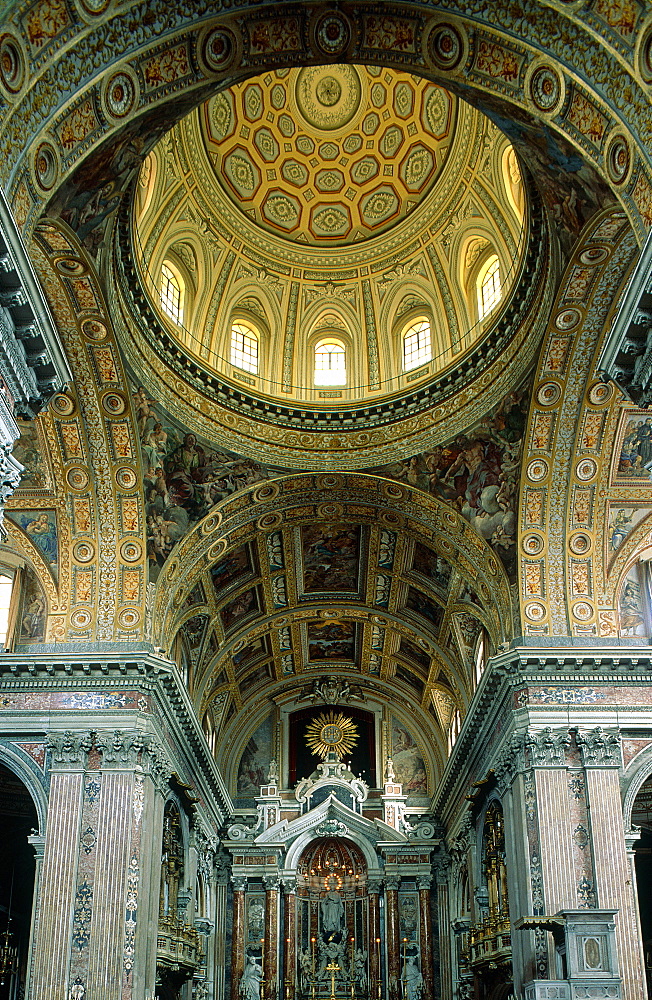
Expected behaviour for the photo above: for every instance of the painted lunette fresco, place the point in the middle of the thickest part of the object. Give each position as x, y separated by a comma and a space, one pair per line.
476, 472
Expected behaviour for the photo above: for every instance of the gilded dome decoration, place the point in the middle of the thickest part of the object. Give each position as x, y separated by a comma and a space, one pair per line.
329, 155
338, 205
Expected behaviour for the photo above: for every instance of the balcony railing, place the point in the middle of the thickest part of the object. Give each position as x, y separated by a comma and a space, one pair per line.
178, 944
491, 942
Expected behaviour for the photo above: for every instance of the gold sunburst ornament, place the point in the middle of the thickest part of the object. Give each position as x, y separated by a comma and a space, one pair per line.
331, 733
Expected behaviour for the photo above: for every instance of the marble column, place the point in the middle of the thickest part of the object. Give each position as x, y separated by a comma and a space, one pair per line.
271, 956
238, 936
393, 938
289, 939
425, 936
601, 756
220, 916
373, 888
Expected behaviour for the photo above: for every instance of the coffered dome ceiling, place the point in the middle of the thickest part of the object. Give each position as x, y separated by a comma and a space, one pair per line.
329, 155
334, 200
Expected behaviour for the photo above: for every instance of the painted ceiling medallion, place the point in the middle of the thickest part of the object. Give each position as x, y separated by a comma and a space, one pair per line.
328, 97
331, 733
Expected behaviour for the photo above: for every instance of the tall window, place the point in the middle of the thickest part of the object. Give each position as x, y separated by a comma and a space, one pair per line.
480, 657
416, 345
489, 287
244, 348
171, 294
6, 586
330, 363
454, 729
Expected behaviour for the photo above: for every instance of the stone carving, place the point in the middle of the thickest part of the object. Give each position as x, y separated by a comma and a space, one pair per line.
120, 748
600, 747
548, 747
332, 691
332, 828
69, 748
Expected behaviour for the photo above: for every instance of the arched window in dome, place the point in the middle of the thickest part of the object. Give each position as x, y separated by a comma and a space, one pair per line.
417, 345
489, 287
330, 363
172, 292
244, 347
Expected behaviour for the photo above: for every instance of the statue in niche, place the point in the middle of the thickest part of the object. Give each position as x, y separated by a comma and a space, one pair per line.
305, 964
360, 968
332, 914
250, 980
412, 979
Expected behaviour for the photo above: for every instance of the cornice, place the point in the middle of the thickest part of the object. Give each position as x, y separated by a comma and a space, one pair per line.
474, 749
145, 671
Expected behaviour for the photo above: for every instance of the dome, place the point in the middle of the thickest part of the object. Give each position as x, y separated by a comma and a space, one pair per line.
331, 235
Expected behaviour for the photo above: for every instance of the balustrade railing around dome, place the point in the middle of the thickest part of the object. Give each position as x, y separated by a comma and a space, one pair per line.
291, 392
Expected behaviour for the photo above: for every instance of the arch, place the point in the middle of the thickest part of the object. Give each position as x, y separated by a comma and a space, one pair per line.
172, 291
367, 847
32, 780
245, 346
641, 769
330, 362
505, 99
489, 286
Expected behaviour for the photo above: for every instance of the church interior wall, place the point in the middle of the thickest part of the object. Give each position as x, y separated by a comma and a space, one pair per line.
245, 703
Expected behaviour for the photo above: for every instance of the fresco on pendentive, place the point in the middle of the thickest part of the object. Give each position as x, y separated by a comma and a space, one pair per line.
635, 450
332, 639
28, 450
40, 526
477, 472
254, 763
185, 476
330, 557
632, 605
33, 610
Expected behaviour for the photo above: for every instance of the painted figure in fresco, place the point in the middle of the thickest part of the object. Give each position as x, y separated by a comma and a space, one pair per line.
43, 532
412, 979
33, 617
330, 557
332, 913
250, 980
631, 617
620, 528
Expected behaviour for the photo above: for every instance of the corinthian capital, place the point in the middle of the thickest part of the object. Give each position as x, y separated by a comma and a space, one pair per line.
69, 749
600, 747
